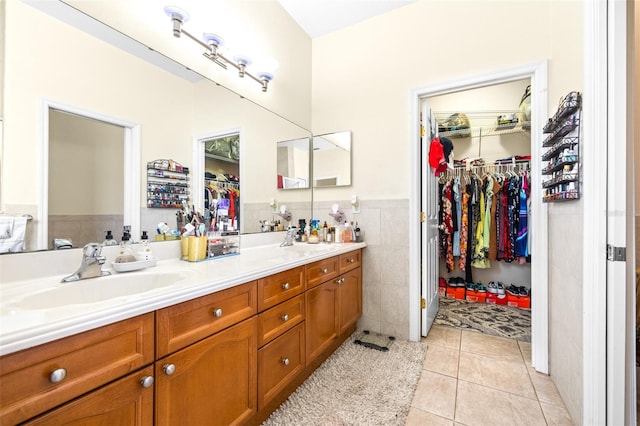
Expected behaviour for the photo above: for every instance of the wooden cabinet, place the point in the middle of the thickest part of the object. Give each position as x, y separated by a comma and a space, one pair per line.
333, 307
230, 357
322, 270
280, 287
279, 319
185, 323
124, 402
211, 382
40, 378
279, 363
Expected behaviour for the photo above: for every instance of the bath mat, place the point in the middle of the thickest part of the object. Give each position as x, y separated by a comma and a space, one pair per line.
377, 341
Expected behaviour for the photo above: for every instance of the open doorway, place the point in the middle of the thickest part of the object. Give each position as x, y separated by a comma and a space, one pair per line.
537, 73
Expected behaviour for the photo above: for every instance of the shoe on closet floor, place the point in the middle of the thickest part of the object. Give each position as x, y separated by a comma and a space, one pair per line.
500, 287
522, 291
480, 288
492, 287
513, 290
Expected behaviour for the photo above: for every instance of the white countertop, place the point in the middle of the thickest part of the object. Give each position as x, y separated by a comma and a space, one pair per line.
41, 310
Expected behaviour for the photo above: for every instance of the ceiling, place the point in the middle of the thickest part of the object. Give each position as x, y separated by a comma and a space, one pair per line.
320, 17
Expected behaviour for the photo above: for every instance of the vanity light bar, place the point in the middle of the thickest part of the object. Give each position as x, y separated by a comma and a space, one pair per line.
211, 43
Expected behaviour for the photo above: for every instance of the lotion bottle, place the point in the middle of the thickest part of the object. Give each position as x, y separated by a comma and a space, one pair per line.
145, 251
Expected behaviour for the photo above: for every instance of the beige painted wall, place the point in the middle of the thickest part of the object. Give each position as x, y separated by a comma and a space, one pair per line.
250, 27
362, 77
170, 111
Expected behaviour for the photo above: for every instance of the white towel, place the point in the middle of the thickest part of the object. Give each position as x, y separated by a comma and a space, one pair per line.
12, 234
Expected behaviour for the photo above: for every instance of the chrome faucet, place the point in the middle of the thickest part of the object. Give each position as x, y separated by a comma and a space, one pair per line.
289, 237
91, 265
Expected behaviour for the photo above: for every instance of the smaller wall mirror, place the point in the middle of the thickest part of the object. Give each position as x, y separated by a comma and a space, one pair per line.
293, 164
332, 159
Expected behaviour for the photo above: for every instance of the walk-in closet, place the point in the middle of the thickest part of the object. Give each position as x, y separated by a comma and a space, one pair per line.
485, 257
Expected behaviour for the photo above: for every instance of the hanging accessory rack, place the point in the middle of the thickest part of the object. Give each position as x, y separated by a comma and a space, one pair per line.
563, 155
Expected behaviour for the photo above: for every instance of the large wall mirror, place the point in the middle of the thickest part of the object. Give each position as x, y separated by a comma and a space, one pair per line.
293, 164
332, 159
170, 113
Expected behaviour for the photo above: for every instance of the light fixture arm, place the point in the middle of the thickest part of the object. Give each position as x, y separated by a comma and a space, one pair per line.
213, 42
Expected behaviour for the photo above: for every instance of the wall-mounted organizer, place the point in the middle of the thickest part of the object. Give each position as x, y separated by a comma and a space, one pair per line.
563, 155
167, 184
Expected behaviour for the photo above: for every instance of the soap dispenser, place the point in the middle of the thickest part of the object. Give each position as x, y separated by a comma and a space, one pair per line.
145, 250
109, 240
125, 244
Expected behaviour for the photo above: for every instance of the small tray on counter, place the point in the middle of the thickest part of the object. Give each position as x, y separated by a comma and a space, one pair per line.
134, 266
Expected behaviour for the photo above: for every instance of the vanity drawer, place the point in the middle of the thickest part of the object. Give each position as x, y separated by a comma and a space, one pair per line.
351, 260
279, 287
275, 321
185, 323
321, 271
279, 362
37, 379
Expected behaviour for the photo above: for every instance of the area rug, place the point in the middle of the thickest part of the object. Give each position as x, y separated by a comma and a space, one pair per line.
496, 320
356, 385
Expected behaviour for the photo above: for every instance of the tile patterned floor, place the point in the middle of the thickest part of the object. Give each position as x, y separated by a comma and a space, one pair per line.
470, 379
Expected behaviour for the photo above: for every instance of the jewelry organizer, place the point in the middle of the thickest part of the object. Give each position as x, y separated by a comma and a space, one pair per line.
167, 184
563, 155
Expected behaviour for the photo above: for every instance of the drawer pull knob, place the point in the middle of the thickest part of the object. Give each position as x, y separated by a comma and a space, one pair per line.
340, 281
324, 270
285, 286
57, 375
351, 260
146, 381
217, 313
285, 361
285, 317
169, 369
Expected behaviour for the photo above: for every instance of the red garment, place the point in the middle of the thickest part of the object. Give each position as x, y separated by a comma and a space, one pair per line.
437, 161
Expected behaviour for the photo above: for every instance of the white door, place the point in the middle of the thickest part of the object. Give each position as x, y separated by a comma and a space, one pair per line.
429, 224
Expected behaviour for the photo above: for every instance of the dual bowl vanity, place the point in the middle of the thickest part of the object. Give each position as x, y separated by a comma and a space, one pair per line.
214, 342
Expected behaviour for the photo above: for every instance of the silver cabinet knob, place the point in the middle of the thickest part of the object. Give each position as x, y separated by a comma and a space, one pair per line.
285, 317
285, 361
169, 369
57, 375
324, 270
146, 381
351, 260
340, 281
217, 313
285, 286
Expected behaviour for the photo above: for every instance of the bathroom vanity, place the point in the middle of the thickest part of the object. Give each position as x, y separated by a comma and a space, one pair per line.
225, 346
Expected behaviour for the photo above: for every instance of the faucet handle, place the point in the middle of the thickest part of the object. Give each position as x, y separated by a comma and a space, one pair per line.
92, 250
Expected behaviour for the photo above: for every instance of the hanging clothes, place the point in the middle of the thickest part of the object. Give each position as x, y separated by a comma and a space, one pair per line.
484, 219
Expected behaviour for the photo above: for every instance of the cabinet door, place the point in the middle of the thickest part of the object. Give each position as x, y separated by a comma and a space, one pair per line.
279, 362
124, 402
321, 311
350, 298
212, 382
38, 379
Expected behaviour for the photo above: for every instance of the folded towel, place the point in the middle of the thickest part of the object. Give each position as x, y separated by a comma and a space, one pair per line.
12, 234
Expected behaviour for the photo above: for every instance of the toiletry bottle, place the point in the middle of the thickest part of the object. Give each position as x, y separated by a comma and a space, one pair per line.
358, 236
329, 237
338, 233
125, 244
145, 250
108, 240
347, 235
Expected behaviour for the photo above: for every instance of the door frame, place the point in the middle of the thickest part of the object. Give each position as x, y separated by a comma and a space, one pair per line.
537, 72
131, 160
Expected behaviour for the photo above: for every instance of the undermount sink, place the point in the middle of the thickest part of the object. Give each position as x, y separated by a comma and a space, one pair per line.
96, 290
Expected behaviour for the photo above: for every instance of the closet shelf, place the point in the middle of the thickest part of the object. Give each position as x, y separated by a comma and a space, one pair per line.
221, 158
551, 168
496, 130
